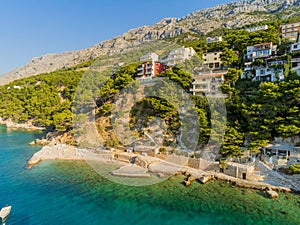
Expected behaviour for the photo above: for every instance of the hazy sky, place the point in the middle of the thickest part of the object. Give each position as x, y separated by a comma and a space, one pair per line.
31, 28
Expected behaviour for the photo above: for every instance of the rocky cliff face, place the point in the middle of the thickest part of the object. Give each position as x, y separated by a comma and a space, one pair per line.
231, 15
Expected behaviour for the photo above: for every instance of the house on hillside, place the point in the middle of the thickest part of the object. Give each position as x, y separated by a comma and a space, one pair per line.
178, 56
208, 84
269, 74
264, 27
296, 46
295, 51
213, 39
116, 66
150, 67
263, 50
271, 70
149, 57
296, 64
212, 60
290, 31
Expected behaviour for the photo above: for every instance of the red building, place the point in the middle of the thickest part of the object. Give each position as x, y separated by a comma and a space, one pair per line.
150, 69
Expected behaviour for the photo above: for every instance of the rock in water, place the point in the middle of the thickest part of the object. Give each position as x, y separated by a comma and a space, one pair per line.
204, 179
161, 175
42, 142
272, 194
187, 183
31, 143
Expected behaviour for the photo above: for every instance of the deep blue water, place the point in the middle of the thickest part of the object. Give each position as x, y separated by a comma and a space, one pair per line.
72, 193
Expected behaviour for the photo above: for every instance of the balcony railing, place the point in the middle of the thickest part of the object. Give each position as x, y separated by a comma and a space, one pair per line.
201, 82
296, 60
201, 90
140, 74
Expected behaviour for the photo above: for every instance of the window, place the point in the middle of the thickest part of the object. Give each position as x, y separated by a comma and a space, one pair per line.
216, 58
216, 53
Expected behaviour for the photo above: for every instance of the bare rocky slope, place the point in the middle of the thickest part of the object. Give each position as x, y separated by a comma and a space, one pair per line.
232, 15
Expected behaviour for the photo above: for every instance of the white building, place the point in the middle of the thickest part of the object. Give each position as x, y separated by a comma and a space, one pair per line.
296, 58
213, 40
271, 70
150, 67
149, 57
296, 64
296, 47
212, 60
265, 27
290, 31
178, 56
263, 50
248, 70
208, 83
115, 68
269, 74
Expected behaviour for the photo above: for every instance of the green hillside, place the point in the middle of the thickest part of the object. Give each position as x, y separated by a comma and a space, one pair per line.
256, 112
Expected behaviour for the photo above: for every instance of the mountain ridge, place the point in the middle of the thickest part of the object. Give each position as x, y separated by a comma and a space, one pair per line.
232, 15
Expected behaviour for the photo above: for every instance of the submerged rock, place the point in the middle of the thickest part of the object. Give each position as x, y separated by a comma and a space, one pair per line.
161, 175
189, 181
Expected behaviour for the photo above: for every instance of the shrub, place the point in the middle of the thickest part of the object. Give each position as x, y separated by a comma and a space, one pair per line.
162, 150
294, 169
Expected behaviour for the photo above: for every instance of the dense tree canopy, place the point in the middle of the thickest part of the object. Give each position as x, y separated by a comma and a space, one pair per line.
256, 112
45, 99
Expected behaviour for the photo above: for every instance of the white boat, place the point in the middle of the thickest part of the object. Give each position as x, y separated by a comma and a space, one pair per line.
5, 211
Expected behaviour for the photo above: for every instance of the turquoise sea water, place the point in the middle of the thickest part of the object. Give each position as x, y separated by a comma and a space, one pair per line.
72, 193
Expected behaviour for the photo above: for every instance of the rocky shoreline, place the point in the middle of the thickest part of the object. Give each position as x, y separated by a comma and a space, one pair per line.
145, 164
28, 125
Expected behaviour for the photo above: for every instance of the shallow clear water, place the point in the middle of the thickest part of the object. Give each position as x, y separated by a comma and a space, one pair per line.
72, 193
